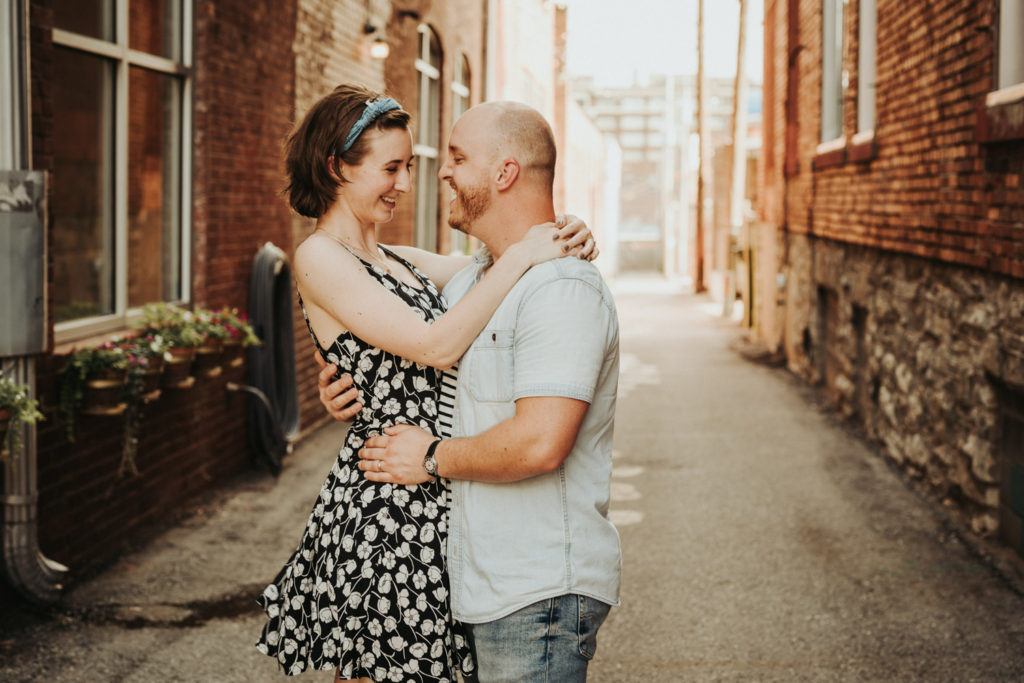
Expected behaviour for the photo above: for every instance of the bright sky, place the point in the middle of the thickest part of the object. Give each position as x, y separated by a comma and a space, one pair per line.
614, 40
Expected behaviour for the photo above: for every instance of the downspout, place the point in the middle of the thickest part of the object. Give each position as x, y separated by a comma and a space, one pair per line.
31, 574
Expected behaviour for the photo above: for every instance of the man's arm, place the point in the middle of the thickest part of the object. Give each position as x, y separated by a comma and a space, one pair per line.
534, 441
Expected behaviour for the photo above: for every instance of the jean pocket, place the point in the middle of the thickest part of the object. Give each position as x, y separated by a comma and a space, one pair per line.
592, 614
488, 366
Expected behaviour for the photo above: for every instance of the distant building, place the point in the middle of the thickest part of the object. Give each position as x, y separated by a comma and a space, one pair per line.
890, 243
655, 125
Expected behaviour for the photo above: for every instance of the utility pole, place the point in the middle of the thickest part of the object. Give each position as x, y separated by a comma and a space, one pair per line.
702, 136
739, 168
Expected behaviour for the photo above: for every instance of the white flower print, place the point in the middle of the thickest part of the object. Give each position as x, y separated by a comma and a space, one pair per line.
360, 593
429, 407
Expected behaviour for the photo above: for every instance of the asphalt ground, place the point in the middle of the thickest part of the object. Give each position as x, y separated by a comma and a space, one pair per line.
763, 540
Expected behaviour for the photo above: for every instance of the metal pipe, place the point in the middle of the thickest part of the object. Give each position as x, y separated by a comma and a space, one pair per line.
29, 572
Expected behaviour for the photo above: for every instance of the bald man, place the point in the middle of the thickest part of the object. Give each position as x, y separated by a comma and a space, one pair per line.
534, 561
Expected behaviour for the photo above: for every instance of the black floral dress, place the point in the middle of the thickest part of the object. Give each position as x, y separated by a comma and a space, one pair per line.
367, 588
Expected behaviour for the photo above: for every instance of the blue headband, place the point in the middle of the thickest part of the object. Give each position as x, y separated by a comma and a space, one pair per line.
374, 108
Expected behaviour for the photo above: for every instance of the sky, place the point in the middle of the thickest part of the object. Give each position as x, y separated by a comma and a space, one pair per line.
617, 41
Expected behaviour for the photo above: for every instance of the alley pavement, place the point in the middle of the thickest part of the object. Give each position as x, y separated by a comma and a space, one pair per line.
763, 540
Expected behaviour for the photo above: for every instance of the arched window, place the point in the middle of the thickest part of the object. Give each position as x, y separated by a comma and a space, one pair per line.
428, 136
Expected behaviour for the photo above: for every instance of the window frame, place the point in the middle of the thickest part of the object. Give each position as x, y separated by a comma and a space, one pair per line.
461, 102
867, 61
1001, 118
832, 15
123, 59
428, 138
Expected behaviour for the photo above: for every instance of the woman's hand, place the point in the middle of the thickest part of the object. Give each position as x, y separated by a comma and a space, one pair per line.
547, 241
575, 233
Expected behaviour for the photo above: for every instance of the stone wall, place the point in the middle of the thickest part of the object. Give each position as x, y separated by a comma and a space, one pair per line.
921, 354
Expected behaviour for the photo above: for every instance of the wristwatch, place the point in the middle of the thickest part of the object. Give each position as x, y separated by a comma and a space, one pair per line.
429, 461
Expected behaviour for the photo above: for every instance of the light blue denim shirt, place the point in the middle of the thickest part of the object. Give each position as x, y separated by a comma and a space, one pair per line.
510, 545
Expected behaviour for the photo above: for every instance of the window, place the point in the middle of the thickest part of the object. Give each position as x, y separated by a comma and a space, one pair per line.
866, 66
831, 70
428, 136
460, 103
1011, 48
121, 132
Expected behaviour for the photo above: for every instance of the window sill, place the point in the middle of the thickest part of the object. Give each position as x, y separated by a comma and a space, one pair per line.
862, 147
1002, 116
830, 154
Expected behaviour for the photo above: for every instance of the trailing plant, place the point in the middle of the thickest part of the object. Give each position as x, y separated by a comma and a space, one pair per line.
145, 353
79, 365
23, 408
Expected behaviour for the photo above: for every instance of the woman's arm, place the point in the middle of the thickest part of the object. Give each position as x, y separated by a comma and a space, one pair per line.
441, 268
334, 281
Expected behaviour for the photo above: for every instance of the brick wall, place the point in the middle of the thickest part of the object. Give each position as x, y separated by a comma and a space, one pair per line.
258, 66
902, 254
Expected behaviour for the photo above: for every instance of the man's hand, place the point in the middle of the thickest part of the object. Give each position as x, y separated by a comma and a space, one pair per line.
399, 452
339, 398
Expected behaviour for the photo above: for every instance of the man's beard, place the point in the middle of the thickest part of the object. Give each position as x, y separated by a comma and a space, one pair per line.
471, 203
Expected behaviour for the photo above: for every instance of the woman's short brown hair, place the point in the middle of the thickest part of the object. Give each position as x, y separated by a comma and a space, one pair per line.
311, 186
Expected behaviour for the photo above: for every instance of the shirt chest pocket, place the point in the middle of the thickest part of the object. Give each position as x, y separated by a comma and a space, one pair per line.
489, 365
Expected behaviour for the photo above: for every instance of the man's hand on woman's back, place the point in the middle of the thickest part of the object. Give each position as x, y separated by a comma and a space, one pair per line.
338, 396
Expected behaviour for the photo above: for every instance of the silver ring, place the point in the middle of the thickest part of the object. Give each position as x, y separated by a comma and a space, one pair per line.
378, 465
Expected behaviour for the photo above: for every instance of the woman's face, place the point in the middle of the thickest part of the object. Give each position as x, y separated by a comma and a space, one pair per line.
381, 177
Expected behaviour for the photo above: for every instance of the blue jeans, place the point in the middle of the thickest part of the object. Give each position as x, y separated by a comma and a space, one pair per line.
550, 641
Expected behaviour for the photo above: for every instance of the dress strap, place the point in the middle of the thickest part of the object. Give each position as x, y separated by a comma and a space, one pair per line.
309, 327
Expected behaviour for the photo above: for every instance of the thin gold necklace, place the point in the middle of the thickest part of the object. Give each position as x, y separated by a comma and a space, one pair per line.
379, 261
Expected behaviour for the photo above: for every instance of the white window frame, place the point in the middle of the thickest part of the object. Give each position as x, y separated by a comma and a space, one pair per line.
124, 57
831, 70
428, 142
459, 243
867, 57
1009, 54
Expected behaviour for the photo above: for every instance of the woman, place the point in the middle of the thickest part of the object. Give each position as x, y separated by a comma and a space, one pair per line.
366, 591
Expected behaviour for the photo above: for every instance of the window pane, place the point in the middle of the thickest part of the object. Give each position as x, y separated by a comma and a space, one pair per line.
1011, 47
82, 197
866, 67
154, 188
155, 27
93, 18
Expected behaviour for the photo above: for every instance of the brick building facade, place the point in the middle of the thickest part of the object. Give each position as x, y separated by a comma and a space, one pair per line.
891, 235
204, 114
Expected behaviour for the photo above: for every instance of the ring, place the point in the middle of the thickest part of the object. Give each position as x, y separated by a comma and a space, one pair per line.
378, 465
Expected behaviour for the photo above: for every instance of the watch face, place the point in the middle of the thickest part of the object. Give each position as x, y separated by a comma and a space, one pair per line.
430, 465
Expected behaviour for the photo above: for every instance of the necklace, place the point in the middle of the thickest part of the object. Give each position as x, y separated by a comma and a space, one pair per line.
380, 261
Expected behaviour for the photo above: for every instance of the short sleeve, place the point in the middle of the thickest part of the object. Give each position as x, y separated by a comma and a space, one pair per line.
562, 334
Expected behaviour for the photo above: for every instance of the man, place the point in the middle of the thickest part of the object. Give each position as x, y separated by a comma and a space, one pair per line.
534, 562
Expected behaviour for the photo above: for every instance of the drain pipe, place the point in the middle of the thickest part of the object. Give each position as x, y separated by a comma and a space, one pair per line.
31, 574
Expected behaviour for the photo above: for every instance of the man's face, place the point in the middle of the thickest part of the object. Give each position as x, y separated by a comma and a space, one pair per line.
466, 170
